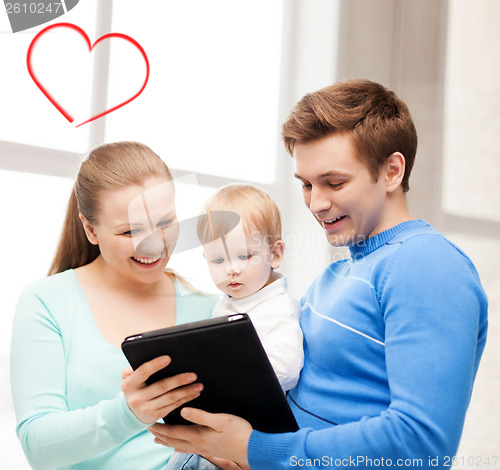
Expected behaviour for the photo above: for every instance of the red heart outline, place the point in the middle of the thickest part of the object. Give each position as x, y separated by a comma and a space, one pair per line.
90, 46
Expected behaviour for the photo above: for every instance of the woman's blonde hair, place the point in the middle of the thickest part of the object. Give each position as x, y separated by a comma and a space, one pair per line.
107, 167
255, 208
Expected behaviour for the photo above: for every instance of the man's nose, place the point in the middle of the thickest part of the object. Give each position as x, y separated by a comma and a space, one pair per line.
318, 201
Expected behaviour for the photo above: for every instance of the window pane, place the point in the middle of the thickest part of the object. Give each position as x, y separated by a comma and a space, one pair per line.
472, 110
211, 104
33, 208
189, 199
26, 115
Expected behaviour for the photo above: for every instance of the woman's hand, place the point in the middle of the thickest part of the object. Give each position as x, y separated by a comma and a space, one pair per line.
222, 435
152, 402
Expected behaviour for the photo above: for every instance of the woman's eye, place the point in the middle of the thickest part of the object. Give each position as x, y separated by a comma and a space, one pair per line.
131, 232
306, 186
336, 185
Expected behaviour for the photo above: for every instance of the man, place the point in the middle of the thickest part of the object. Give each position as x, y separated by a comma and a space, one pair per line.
394, 334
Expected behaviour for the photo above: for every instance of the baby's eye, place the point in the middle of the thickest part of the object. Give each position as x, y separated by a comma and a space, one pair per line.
164, 223
218, 261
244, 257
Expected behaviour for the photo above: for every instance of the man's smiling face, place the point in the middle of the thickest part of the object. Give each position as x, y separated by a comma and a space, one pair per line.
340, 191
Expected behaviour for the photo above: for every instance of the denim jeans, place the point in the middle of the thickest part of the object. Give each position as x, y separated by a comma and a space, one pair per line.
189, 462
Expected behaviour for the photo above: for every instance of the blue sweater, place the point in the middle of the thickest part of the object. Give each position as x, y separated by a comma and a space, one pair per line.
392, 341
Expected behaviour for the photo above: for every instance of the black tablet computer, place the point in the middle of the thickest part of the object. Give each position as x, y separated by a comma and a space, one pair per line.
230, 362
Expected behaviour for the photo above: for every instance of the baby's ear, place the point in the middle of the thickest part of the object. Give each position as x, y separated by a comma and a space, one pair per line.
277, 253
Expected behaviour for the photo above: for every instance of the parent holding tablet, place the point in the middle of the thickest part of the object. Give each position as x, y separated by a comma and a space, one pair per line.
393, 335
74, 407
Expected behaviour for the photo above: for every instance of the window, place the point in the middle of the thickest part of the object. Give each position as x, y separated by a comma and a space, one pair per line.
213, 86
27, 116
32, 208
210, 62
190, 262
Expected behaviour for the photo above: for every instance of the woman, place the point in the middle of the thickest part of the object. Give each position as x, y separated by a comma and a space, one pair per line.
74, 407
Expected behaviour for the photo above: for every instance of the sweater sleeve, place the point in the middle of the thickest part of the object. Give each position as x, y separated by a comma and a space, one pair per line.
50, 434
434, 311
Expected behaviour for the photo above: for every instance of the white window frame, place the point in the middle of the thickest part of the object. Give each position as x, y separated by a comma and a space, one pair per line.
43, 160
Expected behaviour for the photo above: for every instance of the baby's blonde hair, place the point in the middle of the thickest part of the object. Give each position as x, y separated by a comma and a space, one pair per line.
255, 208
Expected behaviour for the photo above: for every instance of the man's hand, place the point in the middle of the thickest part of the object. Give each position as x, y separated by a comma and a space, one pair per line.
222, 435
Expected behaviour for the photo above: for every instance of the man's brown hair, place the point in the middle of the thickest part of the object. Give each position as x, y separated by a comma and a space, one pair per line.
378, 122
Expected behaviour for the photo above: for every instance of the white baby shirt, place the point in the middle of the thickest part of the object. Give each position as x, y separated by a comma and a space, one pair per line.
275, 316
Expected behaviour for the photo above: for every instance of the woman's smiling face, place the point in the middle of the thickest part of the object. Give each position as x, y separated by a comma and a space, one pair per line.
137, 229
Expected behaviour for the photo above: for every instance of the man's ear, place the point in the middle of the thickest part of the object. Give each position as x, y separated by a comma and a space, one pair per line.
394, 171
277, 253
89, 230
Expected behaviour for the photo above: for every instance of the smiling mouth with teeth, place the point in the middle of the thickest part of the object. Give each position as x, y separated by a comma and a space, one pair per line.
332, 221
146, 260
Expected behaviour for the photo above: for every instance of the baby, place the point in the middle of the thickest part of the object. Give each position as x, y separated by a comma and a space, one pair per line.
242, 260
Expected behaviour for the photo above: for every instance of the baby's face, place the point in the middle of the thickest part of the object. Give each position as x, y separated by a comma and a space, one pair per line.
240, 263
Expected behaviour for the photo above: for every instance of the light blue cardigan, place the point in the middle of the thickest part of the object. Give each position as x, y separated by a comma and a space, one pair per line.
66, 382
